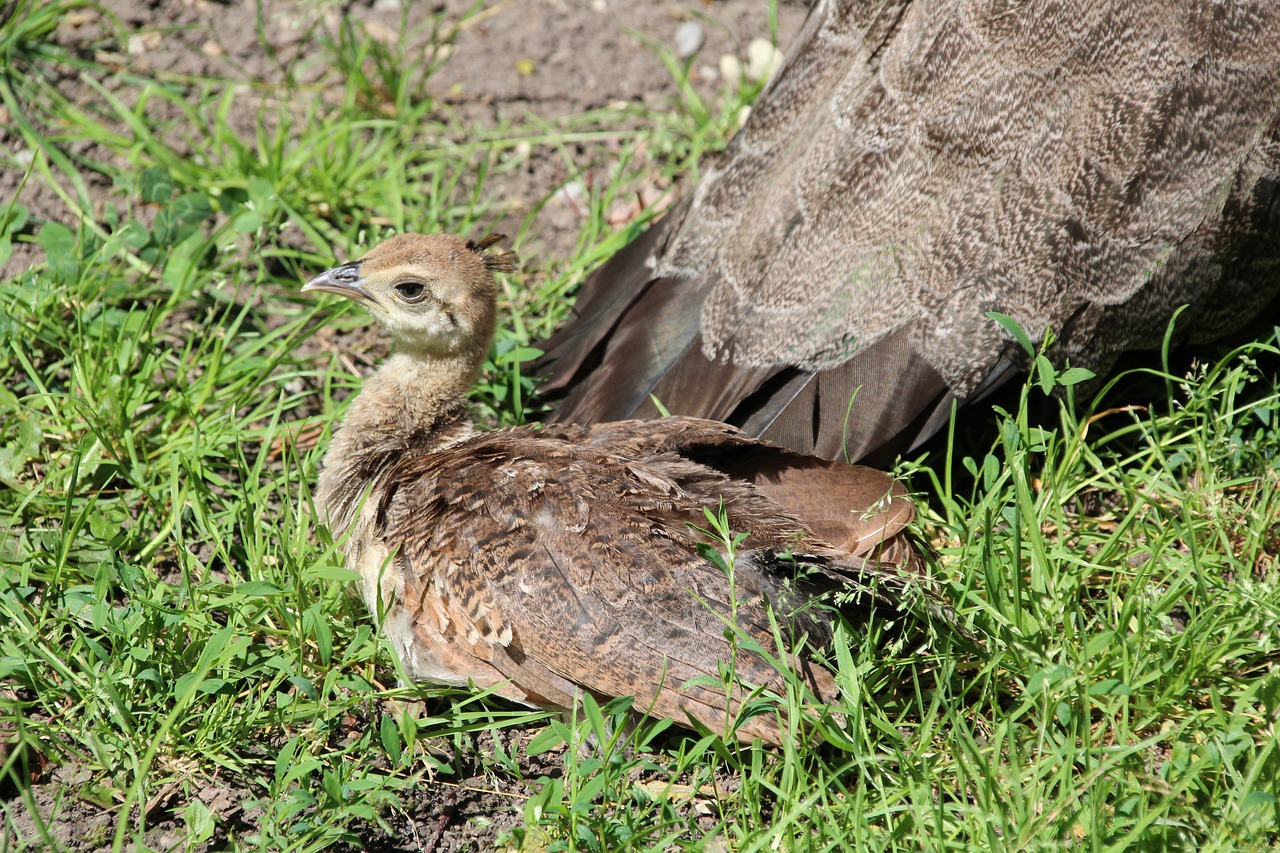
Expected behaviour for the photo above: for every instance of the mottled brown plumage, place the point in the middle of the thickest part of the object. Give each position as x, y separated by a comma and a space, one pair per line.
544, 562
915, 164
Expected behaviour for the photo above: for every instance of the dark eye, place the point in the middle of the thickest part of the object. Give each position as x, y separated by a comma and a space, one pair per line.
411, 291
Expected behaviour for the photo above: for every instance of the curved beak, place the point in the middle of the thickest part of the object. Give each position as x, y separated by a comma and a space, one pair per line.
344, 281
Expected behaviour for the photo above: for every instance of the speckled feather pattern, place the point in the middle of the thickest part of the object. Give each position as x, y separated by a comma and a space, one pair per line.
548, 562
1044, 159
1086, 167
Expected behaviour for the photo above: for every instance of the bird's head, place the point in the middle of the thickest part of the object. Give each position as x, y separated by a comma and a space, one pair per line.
435, 293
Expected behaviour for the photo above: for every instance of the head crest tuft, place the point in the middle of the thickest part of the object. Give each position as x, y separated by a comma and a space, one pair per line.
498, 262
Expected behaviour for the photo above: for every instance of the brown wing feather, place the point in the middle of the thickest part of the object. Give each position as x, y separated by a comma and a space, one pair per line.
602, 300
1087, 168
557, 565
559, 587
852, 507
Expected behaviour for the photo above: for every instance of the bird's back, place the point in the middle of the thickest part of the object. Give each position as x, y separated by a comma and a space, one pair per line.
543, 563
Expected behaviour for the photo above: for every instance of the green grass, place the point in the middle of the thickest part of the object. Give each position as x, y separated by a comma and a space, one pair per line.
173, 623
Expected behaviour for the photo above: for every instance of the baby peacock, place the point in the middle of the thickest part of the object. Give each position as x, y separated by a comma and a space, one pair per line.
545, 562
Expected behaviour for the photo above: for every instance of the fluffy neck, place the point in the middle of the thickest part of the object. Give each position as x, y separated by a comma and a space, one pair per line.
411, 403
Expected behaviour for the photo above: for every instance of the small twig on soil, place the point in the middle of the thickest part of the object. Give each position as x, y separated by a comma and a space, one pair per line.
442, 822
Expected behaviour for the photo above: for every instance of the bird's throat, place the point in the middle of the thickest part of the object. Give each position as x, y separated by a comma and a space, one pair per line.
410, 405
410, 394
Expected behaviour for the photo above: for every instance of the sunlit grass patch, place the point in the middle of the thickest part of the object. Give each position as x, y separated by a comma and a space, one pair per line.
177, 642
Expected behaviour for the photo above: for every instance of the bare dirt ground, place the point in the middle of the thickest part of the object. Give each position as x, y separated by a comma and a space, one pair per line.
549, 58
545, 58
